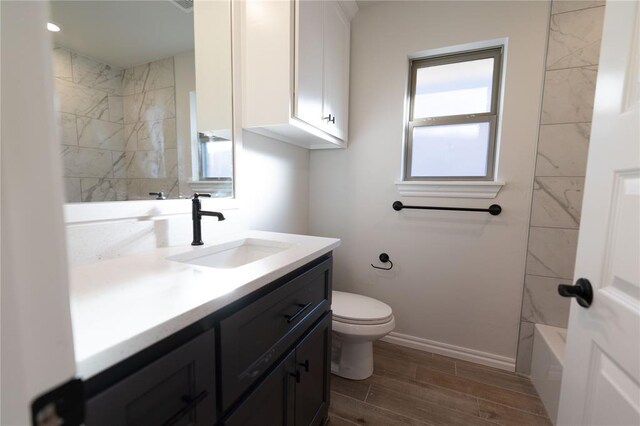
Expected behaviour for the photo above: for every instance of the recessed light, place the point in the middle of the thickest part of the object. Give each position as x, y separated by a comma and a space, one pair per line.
53, 27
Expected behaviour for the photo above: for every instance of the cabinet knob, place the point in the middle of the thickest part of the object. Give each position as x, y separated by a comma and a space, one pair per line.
330, 119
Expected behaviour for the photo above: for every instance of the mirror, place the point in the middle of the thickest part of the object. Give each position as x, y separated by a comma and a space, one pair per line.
144, 100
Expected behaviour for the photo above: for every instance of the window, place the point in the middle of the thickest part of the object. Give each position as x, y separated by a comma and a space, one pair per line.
453, 104
216, 160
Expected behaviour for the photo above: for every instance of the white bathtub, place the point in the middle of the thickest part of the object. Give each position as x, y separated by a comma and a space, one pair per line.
546, 365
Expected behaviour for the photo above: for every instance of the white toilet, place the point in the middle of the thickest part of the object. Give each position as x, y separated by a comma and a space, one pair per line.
357, 322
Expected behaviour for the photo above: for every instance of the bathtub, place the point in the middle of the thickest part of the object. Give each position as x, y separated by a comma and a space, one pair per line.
546, 365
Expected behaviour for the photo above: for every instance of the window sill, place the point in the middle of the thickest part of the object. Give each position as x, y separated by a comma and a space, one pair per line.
449, 189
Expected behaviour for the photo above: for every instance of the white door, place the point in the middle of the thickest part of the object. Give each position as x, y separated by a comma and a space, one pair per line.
37, 341
601, 380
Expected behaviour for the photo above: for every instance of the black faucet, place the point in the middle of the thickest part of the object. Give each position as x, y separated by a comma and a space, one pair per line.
196, 215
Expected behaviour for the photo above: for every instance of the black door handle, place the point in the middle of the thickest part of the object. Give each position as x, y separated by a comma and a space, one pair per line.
582, 291
305, 364
296, 375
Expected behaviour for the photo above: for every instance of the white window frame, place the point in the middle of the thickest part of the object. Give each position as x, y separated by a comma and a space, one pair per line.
456, 186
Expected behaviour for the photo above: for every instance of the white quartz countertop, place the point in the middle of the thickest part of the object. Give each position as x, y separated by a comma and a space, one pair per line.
123, 305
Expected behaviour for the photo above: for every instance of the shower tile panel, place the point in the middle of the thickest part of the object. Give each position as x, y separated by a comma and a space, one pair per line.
157, 74
83, 101
568, 95
121, 162
542, 303
101, 134
562, 149
150, 106
171, 163
67, 129
131, 136
552, 252
96, 189
90, 73
72, 190
62, 64
129, 82
150, 76
525, 347
86, 162
157, 135
142, 164
561, 6
574, 39
116, 109
557, 202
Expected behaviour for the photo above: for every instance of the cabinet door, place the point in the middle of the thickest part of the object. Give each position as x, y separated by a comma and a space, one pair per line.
272, 402
313, 364
177, 389
308, 73
337, 36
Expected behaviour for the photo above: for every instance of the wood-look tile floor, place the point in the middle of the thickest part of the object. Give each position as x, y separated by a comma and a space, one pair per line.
410, 387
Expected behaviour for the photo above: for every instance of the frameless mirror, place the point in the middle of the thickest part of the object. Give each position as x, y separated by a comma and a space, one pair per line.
143, 92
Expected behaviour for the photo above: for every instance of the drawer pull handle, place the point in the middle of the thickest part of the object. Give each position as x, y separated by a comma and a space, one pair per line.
305, 364
292, 318
191, 404
296, 375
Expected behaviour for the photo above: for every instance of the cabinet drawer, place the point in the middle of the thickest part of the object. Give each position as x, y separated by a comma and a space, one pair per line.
258, 334
177, 389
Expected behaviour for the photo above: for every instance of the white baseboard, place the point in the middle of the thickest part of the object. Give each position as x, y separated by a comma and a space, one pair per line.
466, 354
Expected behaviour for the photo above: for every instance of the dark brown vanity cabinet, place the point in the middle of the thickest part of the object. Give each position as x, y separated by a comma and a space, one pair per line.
263, 360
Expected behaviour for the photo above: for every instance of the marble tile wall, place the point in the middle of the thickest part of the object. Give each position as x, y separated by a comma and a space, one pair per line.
565, 123
117, 128
149, 159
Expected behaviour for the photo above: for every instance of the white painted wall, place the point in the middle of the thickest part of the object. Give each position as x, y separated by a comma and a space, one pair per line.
457, 277
37, 345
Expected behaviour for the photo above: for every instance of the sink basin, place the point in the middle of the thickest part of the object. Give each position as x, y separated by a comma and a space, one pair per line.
232, 254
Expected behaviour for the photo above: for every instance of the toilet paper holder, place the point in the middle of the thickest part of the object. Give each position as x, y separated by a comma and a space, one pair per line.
384, 258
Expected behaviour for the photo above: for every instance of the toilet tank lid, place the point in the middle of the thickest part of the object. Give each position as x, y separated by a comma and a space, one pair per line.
355, 307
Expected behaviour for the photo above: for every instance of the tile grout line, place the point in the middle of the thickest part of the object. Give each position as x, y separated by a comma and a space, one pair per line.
577, 10
341, 418
512, 407
367, 394
570, 68
476, 381
387, 410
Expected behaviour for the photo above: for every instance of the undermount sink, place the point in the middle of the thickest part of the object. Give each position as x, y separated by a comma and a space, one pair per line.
232, 254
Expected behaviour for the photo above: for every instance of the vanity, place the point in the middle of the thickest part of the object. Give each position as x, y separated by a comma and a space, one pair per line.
235, 332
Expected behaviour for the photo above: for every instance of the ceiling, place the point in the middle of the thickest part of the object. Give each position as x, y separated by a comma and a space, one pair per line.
123, 33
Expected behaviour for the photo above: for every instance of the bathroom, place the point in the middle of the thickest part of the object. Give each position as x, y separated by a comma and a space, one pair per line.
470, 292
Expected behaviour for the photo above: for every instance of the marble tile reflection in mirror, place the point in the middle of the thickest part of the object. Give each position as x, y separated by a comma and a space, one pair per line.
125, 87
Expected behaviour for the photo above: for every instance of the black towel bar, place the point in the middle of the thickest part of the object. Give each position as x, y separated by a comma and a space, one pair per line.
494, 209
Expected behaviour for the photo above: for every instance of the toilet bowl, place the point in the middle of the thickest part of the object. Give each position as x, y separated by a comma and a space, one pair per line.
357, 321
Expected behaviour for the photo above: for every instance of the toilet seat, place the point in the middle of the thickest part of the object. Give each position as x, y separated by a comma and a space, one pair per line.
361, 310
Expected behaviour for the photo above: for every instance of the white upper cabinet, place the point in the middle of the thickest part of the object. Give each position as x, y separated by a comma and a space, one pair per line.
295, 70
336, 40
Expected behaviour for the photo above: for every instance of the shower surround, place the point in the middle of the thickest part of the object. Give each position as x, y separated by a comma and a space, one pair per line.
117, 127
565, 124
